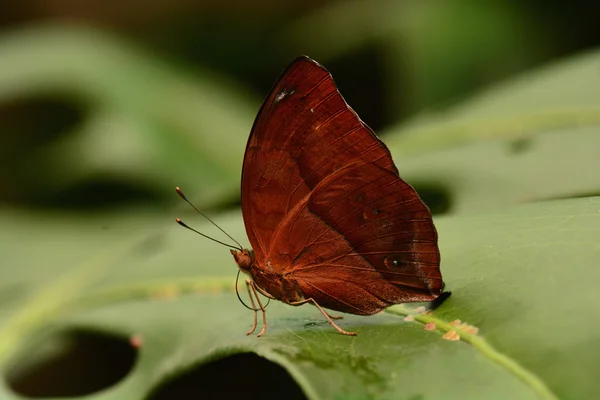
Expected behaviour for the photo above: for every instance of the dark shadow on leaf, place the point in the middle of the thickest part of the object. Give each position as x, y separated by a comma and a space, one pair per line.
102, 192
73, 363
151, 245
570, 196
27, 125
520, 146
32, 122
437, 197
245, 376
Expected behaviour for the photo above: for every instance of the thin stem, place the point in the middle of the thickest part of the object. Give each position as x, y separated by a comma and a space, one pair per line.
480, 344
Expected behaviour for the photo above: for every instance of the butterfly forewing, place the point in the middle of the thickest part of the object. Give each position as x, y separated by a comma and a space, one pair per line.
321, 197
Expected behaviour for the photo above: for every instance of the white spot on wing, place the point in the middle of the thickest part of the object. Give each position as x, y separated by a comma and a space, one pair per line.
282, 95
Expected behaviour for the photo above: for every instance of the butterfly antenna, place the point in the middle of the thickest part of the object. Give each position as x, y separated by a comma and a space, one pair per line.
180, 222
237, 292
180, 193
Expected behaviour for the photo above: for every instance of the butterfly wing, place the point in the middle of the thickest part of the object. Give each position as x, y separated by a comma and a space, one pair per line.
363, 241
321, 197
303, 132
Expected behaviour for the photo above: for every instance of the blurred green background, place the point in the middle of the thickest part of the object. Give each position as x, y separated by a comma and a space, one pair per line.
105, 106
490, 109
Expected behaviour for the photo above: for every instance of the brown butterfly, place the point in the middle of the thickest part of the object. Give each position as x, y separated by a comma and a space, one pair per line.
330, 221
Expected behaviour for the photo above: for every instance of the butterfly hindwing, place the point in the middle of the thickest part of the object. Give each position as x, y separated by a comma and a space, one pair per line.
363, 240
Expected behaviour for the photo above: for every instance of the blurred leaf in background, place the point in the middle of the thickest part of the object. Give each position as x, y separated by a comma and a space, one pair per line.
142, 125
104, 108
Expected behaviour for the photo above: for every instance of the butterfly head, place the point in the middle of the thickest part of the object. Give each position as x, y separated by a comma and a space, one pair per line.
244, 258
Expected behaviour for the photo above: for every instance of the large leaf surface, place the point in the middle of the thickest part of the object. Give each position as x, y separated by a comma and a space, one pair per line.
485, 175
523, 275
519, 275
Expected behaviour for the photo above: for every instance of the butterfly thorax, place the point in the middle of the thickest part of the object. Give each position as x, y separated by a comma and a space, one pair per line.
281, 287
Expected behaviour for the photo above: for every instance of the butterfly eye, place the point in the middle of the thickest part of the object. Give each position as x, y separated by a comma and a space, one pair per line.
391, 262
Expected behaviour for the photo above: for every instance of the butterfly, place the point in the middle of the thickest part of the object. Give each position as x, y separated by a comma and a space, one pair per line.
330, 221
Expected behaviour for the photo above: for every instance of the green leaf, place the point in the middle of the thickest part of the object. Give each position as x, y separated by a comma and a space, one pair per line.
148, 123
561, 96
532, 138
486, 175
516, 274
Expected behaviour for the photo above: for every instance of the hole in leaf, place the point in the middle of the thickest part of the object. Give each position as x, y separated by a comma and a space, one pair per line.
245, 376
73, 363
437, 198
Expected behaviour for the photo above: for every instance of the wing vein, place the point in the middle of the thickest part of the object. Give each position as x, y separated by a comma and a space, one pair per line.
281, 158
315, 266
333, 297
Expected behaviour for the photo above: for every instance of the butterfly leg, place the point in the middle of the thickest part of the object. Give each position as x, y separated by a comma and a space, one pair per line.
327, 316
335, 316
253, 306
252, 285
